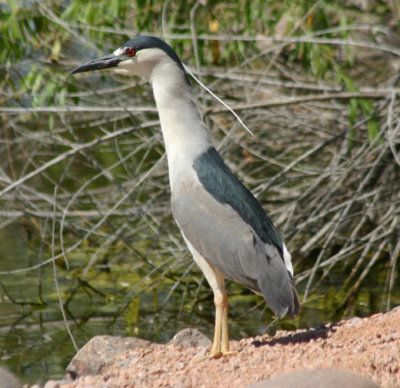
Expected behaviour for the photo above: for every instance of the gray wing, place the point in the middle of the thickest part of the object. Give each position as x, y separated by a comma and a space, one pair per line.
223, 238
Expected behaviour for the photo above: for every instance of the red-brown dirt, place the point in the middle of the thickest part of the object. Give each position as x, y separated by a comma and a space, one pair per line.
367, 346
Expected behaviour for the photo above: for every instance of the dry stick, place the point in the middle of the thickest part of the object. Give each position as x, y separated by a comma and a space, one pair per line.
320, 209
219, 100
176, 284
333, 209
376, 193
89, 93
144, 279
76, 109
194, 40
72, 247
394, 257
97, 225
244, 38
318, 148
334, 224
332, 260
337, 222
370, 240
107, 214
174, 259
360, 260
103, 248
164, 17
72, 151
263, 80
393, 133
289, 41
55, 276
317, 203
356, 285
377, 94
351, 239
13, 214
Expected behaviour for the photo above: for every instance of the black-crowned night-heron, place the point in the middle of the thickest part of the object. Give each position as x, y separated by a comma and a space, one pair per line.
224, 226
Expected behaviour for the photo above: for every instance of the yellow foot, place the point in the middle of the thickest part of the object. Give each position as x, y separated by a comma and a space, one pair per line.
228, 353
216, 354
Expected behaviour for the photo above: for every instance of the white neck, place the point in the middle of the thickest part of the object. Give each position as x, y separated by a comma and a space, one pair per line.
185, 135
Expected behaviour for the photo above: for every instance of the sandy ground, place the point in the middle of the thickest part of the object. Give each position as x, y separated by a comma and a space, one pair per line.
368, 346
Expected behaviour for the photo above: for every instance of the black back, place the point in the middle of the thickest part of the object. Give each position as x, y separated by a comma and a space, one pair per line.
219, 181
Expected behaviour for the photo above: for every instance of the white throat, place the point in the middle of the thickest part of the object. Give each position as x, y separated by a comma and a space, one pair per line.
185, 135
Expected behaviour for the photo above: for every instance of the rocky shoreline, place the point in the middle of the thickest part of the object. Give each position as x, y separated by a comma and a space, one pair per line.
367, 347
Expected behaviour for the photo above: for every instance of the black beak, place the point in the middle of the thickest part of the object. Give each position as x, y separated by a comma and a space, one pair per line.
98, 64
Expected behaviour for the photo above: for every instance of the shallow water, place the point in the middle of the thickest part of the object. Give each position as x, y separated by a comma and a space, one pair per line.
35, 343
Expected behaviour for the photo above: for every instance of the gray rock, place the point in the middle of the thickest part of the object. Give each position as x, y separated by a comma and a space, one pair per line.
7, 379
190, 338
101, 351
317, 378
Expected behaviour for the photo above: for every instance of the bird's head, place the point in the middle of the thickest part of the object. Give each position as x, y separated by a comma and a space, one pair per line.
139, 57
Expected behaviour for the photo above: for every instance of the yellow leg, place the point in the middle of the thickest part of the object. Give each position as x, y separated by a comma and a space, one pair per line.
220, 346
220, 301
224, 328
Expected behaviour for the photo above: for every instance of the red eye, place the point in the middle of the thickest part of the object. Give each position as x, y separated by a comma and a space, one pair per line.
130, 52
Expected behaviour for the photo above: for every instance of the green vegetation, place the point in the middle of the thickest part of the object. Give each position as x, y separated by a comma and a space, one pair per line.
85, 216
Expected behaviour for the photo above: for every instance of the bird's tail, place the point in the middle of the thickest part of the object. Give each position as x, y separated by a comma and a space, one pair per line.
277, 287
295, 307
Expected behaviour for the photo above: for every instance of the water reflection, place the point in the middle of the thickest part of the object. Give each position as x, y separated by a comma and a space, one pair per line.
36, 345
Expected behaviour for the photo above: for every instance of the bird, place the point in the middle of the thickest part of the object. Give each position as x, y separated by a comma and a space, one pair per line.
224, 226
